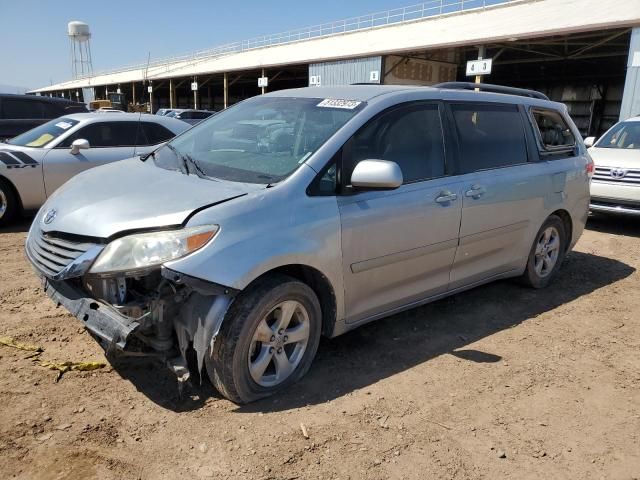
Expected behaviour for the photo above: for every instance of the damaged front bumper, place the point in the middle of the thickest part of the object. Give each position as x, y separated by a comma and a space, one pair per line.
107, 325
171, 314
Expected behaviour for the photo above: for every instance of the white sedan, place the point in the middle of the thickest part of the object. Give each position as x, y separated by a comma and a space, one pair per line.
33, 165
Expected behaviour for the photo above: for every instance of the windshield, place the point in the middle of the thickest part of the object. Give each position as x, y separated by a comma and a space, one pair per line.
261, 140
623, 135
44, 134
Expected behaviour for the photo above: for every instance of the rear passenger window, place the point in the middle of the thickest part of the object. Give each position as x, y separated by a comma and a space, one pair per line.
489, 136
411, 136
154, 134
553, 132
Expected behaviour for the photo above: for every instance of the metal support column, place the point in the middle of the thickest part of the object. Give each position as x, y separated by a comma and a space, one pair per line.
482, 52
133, 95
195, 95
226, 90
171, 93
631, 96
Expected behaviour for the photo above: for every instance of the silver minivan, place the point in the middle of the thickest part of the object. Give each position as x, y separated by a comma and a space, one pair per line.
310, 212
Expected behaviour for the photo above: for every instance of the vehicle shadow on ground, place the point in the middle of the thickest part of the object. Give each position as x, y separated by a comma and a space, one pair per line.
21, 225
389, 346
159, 384
615, 224
384, 348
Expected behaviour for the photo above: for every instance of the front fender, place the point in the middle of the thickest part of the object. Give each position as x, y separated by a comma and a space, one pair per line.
260, 234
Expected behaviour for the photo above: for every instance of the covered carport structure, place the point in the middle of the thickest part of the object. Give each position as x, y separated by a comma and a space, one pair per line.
581, 59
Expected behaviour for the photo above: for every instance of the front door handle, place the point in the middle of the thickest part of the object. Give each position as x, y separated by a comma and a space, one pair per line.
476, 191
446, 197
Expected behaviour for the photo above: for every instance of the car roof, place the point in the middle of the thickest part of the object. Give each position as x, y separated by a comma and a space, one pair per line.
176, 126
38, 98
362, 93
372, 92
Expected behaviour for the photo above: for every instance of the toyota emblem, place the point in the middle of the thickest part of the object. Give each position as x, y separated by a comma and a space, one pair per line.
618, 173
50, 216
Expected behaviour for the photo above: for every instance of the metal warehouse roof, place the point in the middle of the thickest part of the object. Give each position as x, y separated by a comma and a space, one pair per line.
413, 28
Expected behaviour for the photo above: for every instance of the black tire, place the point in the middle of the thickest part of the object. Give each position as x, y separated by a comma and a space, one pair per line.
9, 201
531, 276
228, 366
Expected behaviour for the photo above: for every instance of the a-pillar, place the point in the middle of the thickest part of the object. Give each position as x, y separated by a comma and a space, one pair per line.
631, 96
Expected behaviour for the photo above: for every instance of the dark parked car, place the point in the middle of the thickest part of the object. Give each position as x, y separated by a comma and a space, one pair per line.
19, 113
190, 116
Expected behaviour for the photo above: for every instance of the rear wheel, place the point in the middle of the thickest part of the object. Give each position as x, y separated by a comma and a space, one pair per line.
267, 340
547, 253
8, 203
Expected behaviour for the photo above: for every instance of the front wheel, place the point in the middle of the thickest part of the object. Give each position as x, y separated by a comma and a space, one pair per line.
267, 340
547, 253
8, 203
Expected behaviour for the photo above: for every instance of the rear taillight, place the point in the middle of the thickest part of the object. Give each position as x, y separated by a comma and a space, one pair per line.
589, 168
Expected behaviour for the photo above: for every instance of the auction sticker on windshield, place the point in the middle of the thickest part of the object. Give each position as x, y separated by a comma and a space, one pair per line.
64, 125
339, 103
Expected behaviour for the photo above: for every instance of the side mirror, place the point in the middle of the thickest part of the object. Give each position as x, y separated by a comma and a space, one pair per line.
79, 144
589, 141
376, 175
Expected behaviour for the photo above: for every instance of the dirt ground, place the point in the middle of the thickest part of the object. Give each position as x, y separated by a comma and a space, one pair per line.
499, 382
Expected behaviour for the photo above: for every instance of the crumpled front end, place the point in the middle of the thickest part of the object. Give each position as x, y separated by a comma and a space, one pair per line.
159, 313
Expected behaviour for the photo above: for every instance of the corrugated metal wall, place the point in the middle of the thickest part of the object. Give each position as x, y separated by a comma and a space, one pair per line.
346, 72
631, 97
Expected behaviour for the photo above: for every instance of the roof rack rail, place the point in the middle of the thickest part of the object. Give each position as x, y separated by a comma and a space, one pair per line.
486, 87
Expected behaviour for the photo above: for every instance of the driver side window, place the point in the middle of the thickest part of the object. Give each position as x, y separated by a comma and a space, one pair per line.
410, 136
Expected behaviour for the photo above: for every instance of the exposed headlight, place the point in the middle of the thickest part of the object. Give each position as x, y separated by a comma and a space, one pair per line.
139, 252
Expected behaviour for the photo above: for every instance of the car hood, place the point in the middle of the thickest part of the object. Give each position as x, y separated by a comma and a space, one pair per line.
615, 157
132, 195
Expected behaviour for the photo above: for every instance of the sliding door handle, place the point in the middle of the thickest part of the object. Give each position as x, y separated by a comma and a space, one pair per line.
446, 197
476, 191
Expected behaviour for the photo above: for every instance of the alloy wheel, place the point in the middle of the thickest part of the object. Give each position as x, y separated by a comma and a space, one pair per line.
547, 251
278, 344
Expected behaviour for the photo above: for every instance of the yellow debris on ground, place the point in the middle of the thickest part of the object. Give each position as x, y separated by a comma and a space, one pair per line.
11, 342
64, 367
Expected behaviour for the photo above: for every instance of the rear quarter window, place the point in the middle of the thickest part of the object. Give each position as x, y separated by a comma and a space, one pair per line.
555, 138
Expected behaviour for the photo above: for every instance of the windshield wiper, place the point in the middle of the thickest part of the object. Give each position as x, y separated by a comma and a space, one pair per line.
196, 166
188, 159
145, 157
185, 165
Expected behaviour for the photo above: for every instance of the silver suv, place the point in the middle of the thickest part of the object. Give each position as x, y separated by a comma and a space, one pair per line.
310, 212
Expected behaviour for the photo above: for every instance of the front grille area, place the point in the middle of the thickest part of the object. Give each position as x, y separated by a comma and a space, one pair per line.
629, 176
619, 204
52, 254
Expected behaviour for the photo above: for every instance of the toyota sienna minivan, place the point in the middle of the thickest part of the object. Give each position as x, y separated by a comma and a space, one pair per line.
310, 212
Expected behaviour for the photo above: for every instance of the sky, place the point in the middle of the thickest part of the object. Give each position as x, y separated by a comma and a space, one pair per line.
36, 52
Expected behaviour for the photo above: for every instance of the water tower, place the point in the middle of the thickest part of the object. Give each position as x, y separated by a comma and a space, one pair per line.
79, 37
